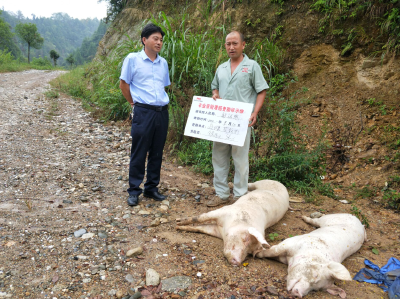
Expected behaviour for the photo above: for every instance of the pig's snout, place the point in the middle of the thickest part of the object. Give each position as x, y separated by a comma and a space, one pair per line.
296, 293
234, 262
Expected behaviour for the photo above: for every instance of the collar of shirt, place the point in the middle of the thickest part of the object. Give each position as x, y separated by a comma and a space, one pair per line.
243, 62
144, 56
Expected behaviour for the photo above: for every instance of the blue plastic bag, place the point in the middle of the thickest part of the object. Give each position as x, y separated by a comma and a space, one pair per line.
379, 276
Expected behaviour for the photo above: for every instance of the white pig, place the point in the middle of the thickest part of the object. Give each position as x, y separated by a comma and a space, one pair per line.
314, 259
242, 225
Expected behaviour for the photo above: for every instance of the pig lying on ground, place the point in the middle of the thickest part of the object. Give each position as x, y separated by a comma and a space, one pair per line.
314, 259
242, 225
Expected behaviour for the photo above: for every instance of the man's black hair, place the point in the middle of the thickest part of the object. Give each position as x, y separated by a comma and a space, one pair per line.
149, 29
241, 36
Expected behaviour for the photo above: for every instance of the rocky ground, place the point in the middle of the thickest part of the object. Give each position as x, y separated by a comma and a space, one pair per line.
66, 231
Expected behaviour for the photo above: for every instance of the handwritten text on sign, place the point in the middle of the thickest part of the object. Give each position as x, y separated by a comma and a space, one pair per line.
221, 120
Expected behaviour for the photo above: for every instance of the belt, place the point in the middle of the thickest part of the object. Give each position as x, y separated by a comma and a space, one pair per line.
155, 108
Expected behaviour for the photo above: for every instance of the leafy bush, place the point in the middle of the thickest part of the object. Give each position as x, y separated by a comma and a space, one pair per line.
391, 193
5, 57
41, 63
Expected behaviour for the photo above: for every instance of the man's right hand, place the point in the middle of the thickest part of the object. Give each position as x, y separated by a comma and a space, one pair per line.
215, 94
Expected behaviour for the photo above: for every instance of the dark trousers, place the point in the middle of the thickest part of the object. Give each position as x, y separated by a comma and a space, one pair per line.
149, 132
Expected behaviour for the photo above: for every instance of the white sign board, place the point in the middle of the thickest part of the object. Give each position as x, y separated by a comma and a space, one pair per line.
221, 120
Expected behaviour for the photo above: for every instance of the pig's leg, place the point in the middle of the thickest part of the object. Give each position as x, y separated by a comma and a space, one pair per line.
209, 229
314, 222
275, 251
210, 216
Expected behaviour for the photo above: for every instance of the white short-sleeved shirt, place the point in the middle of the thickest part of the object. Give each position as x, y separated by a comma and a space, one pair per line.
147, 79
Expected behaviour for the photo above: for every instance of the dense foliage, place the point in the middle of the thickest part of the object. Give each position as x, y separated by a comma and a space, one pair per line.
60, 32
86, 52
114, 8
339, 19
7, 39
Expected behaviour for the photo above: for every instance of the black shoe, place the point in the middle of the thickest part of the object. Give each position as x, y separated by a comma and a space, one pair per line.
133, 200
154, 195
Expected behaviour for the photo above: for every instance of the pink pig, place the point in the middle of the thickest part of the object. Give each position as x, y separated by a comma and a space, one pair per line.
242, 225
314, 259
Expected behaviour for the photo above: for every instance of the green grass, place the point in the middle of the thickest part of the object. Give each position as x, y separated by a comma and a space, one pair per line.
391, 193
365, 192
9, 64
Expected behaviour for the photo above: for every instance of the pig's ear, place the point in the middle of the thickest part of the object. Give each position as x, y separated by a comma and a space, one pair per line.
338, 271
260, 238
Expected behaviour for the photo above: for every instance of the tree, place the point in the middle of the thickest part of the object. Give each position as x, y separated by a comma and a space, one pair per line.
114, 8
70, 59
54, 55
28, 32
6, 38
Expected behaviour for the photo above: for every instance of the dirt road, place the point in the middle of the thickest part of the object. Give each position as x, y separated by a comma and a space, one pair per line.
64, 174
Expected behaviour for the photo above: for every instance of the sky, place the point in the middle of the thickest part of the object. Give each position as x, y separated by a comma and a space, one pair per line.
78, 9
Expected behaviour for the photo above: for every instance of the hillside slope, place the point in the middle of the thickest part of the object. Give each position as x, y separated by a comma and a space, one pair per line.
351, 94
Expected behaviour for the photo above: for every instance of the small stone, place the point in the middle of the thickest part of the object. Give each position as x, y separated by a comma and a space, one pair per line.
164, 207
197, 197
143, 212
129, 278
126, 216
272, 290
344, 201
163, 220
176, 282
82, 257
67, 201
119, 294
87, 236
198, 262
112, 293
152, 277
155, 222
134, 252
95, 270
86, 280
79, 233
102, 235
316, 215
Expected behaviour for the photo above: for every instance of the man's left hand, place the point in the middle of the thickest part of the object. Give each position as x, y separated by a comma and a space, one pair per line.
252, 119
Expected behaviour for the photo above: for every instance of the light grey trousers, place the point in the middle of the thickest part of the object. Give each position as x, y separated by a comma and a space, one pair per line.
221, 155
